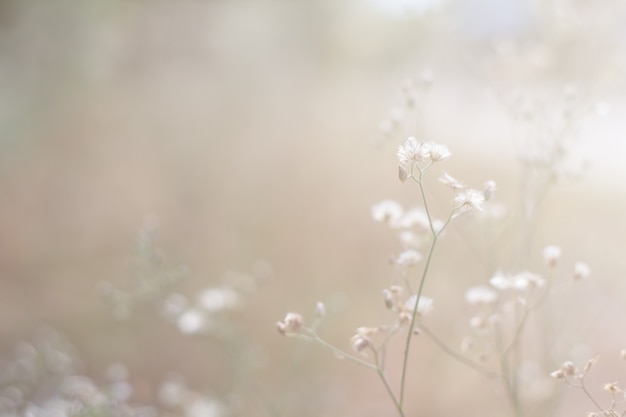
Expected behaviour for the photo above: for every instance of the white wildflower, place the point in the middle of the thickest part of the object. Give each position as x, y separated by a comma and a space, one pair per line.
214, 300
468, 199
202, 406
424, 306
408, 258
192, 321
500, 281
480, 295
451, 182
387, 211
414, 218
551, 255
411, 152
437, 152
581, 270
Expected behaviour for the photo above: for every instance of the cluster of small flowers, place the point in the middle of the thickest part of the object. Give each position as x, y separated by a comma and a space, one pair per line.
200, 317
392, 296
293, 323
207, 311
412, 226
569, 374
43, 379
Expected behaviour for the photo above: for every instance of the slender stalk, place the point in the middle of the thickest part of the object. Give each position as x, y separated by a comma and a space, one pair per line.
385, 381
435, 234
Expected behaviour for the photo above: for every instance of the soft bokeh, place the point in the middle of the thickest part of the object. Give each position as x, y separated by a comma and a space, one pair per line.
245, 135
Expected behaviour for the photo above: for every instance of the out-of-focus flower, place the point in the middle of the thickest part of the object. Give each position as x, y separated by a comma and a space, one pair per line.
480, 295
214, 300
451, 182
408, 258
292, 323
551, 255
192, 321
581, 270
468, 199
387, 211
424, 306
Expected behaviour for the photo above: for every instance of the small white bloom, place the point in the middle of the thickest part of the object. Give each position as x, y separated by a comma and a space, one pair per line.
204, 407
218, 299
490, 188
424, 306
468, 199
581, 270
451, 182
551, 255
500, 281
409, 239
438, 152
192, 321
480, 295
408, 258
320, 309
414, 218
412, 151
524, 280
387, 211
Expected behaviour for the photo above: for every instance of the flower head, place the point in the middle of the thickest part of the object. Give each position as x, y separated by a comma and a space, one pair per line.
468, 199
480, 295
412, 151
424, 306
551, 255
581, 270
451, 182
387, 211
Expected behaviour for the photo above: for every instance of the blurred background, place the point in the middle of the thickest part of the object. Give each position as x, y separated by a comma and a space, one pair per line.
151, 148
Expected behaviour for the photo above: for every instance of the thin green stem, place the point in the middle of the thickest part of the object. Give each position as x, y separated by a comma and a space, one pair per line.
383, 378
407, 344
